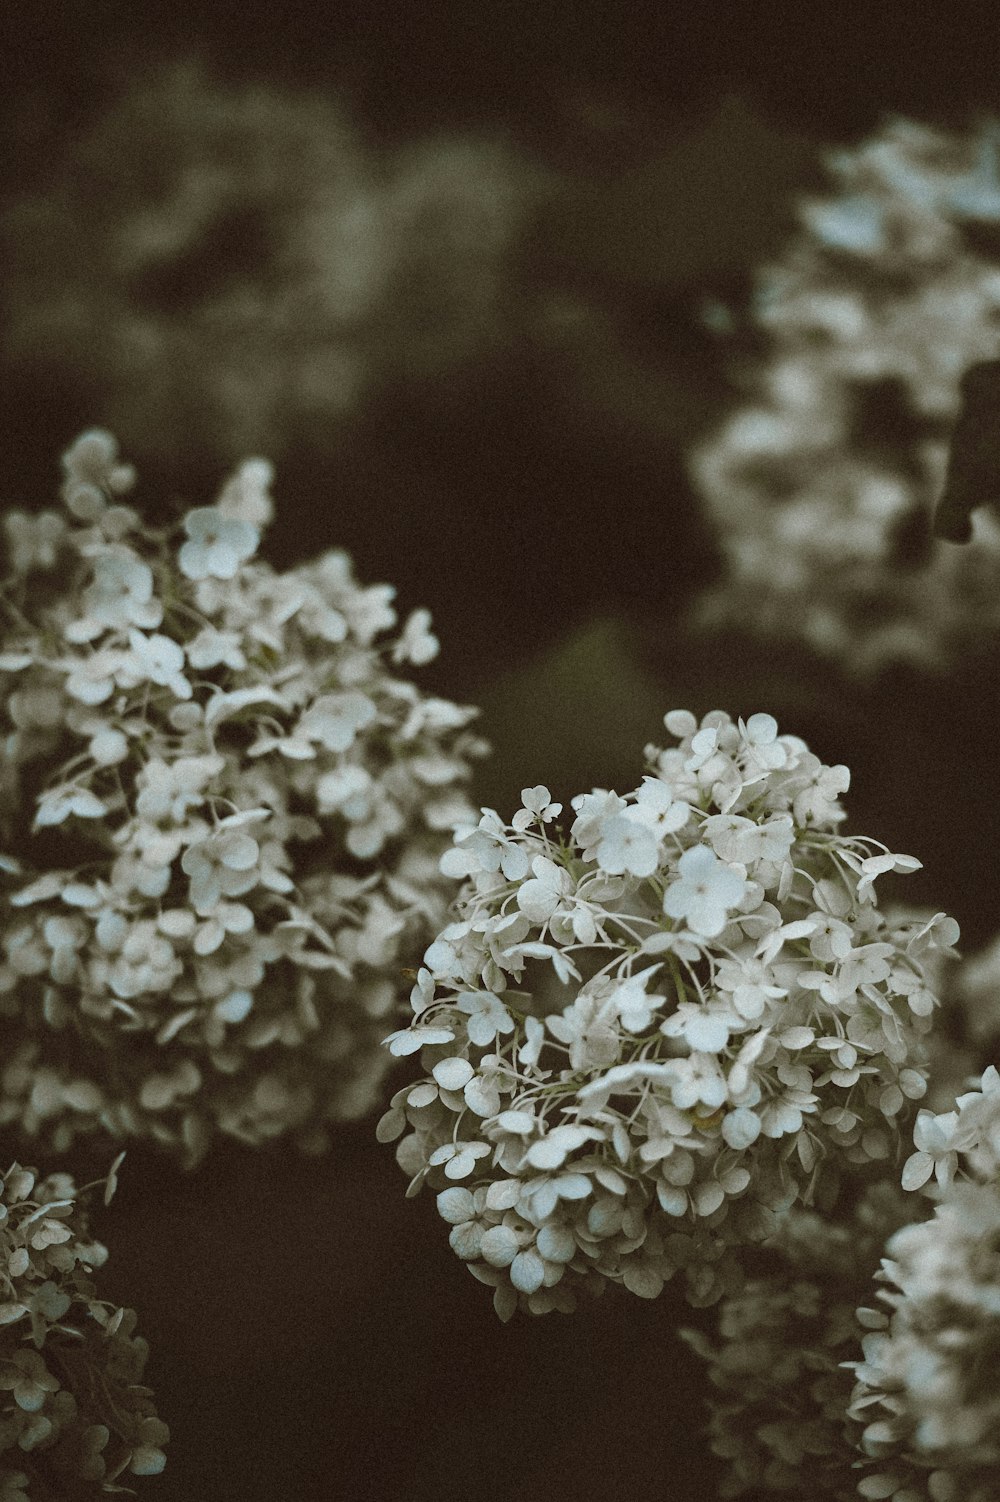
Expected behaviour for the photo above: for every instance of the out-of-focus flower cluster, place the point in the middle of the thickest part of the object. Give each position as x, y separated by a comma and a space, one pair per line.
822, 486
251, 262
926, 1390
920, 1422
223, 808
777, 1361
926, 1395
646, 1039
74, 1414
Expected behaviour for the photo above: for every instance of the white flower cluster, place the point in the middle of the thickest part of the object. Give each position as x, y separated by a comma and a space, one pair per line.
963, 1143
920, 1422
777, 1360
927, 1392
74, 1415
926, 1389
645, 1038
822, 486
223, 810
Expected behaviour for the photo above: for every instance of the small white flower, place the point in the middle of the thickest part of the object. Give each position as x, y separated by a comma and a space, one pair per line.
486, 848
628, 843
333, 720
593, 811
155, 659
223, 865
816, 803
487, 1016
121, 594
217, 544
633, 1003
741, 1127
56, 805
760, 735
409, 1040
108, 746
212, 649
169, 790
33, 542
656, 806
91, 679
459, 1158
536, 805
704, 1030
246, 495
705, 893
417, 642
540, 896
348, 790
936, 1141
877, 865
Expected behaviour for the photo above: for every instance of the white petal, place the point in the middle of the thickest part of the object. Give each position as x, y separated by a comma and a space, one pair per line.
556, 1243
527, 1271
453, 1073
546, 1153
500, 1245
917, 1170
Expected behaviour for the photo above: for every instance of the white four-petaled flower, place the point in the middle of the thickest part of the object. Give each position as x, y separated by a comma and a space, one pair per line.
217, 544
705, 892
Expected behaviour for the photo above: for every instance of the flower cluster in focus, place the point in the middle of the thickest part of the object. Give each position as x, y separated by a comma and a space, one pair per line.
74, 1414
642, 1041
822, 486
224, 803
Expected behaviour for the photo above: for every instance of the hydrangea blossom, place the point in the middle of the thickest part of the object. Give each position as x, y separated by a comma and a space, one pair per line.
74, 1415
223, 810
926, 1391
821, 1394
925, 1398
822, 485
818, 1380
645, 1038
779, 1414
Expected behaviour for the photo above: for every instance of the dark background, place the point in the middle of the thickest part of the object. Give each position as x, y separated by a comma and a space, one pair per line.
313, 1336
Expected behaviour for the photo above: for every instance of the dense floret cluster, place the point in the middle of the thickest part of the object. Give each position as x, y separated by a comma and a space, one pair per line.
74, 1414
822, 486
645, 1039
223, 809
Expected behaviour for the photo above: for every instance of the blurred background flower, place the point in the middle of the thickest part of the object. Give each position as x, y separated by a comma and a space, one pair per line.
823, 489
